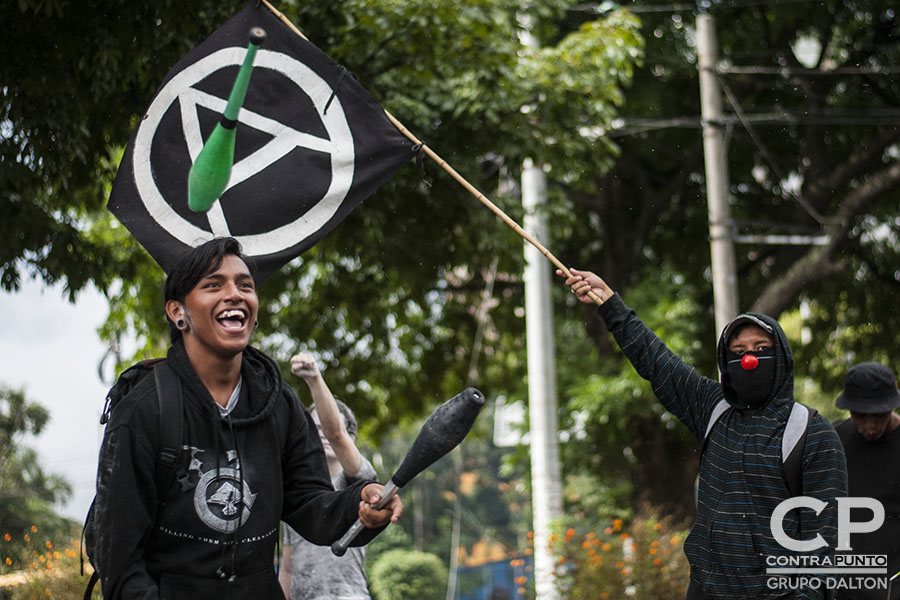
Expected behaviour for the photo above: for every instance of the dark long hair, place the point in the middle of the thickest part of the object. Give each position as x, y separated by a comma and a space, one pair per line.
194, 265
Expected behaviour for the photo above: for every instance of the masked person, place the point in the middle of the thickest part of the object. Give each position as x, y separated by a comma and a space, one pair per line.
871, 439
250, 456
739, 423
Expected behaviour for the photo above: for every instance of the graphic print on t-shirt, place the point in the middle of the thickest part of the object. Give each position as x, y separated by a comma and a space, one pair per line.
222, 498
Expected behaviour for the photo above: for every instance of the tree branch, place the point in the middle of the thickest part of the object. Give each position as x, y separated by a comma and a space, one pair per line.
817, 264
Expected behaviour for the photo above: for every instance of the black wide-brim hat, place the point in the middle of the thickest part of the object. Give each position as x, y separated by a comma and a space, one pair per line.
869, 388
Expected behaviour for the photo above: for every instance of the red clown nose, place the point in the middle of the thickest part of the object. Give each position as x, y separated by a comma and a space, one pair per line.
749, 362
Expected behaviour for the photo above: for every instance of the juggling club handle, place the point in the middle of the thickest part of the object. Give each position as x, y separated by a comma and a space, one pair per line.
340, 547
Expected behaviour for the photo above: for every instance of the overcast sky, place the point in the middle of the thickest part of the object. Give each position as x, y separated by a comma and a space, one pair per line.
51, 348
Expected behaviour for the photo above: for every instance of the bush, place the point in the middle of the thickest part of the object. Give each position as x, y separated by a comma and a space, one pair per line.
52, 572
408, 575
642, 560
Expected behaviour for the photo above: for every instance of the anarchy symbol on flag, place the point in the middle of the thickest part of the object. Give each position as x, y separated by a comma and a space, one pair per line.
311, 145
338, 146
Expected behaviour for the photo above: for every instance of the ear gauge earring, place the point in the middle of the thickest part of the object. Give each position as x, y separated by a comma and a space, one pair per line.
255, 324
179, 323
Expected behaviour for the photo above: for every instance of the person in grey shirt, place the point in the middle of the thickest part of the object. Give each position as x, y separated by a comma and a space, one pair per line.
307, 571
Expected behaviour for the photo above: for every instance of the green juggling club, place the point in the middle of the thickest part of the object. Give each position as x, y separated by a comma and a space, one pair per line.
211, 171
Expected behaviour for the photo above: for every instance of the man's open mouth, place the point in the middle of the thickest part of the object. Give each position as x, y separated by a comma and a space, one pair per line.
232, 319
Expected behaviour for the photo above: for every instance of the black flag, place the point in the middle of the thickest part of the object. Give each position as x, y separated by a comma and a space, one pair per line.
312, 144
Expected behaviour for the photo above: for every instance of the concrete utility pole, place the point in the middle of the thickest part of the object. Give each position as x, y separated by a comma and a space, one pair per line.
721, 245
546, 489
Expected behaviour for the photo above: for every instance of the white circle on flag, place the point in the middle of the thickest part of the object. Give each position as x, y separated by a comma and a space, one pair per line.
339, 147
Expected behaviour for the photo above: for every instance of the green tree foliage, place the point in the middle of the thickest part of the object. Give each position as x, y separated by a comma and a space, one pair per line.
408, 575
27, 493
74, 78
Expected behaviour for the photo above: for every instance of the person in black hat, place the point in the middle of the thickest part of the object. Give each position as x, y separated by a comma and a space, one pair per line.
871, 439
744, 424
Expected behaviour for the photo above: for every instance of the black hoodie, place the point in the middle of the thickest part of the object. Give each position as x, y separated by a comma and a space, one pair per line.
741, 473
215, 536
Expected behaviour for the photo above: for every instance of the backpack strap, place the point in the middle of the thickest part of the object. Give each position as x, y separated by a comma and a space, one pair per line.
89, 589
168, 397
717, 411
171, 428
792, 443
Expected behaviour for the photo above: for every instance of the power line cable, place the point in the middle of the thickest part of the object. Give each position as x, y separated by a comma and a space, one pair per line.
702, 6
812, 212
638, 125
786, 71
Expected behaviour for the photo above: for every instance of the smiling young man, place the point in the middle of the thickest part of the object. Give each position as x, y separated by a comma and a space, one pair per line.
250, 456
739, 423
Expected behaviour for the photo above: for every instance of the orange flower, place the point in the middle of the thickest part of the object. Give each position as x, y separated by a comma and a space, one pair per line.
530, 535
608, 530
592, 552
553, 537
529, 551
570, 533
603, 595
521, 580
7, 537
617, 525
49, 544
521, 591
607, 547
586, 544
596, 542
657, 526
8, 560
561, 560
27, 537
590, 535
620, 564
654, 543
657, 562
623, 535
653, 550
34, 529
675, 540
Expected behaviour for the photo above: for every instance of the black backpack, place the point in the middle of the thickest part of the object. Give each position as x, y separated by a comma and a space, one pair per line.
168, 395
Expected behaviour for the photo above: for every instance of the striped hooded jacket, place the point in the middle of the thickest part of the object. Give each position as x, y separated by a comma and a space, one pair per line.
741, 474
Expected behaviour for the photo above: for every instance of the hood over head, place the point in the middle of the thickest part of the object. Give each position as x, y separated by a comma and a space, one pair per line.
783, 377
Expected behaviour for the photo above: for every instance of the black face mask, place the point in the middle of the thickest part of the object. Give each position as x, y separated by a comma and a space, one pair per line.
751, 375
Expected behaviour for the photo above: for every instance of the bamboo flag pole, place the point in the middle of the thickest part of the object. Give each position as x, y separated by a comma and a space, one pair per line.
453, 173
